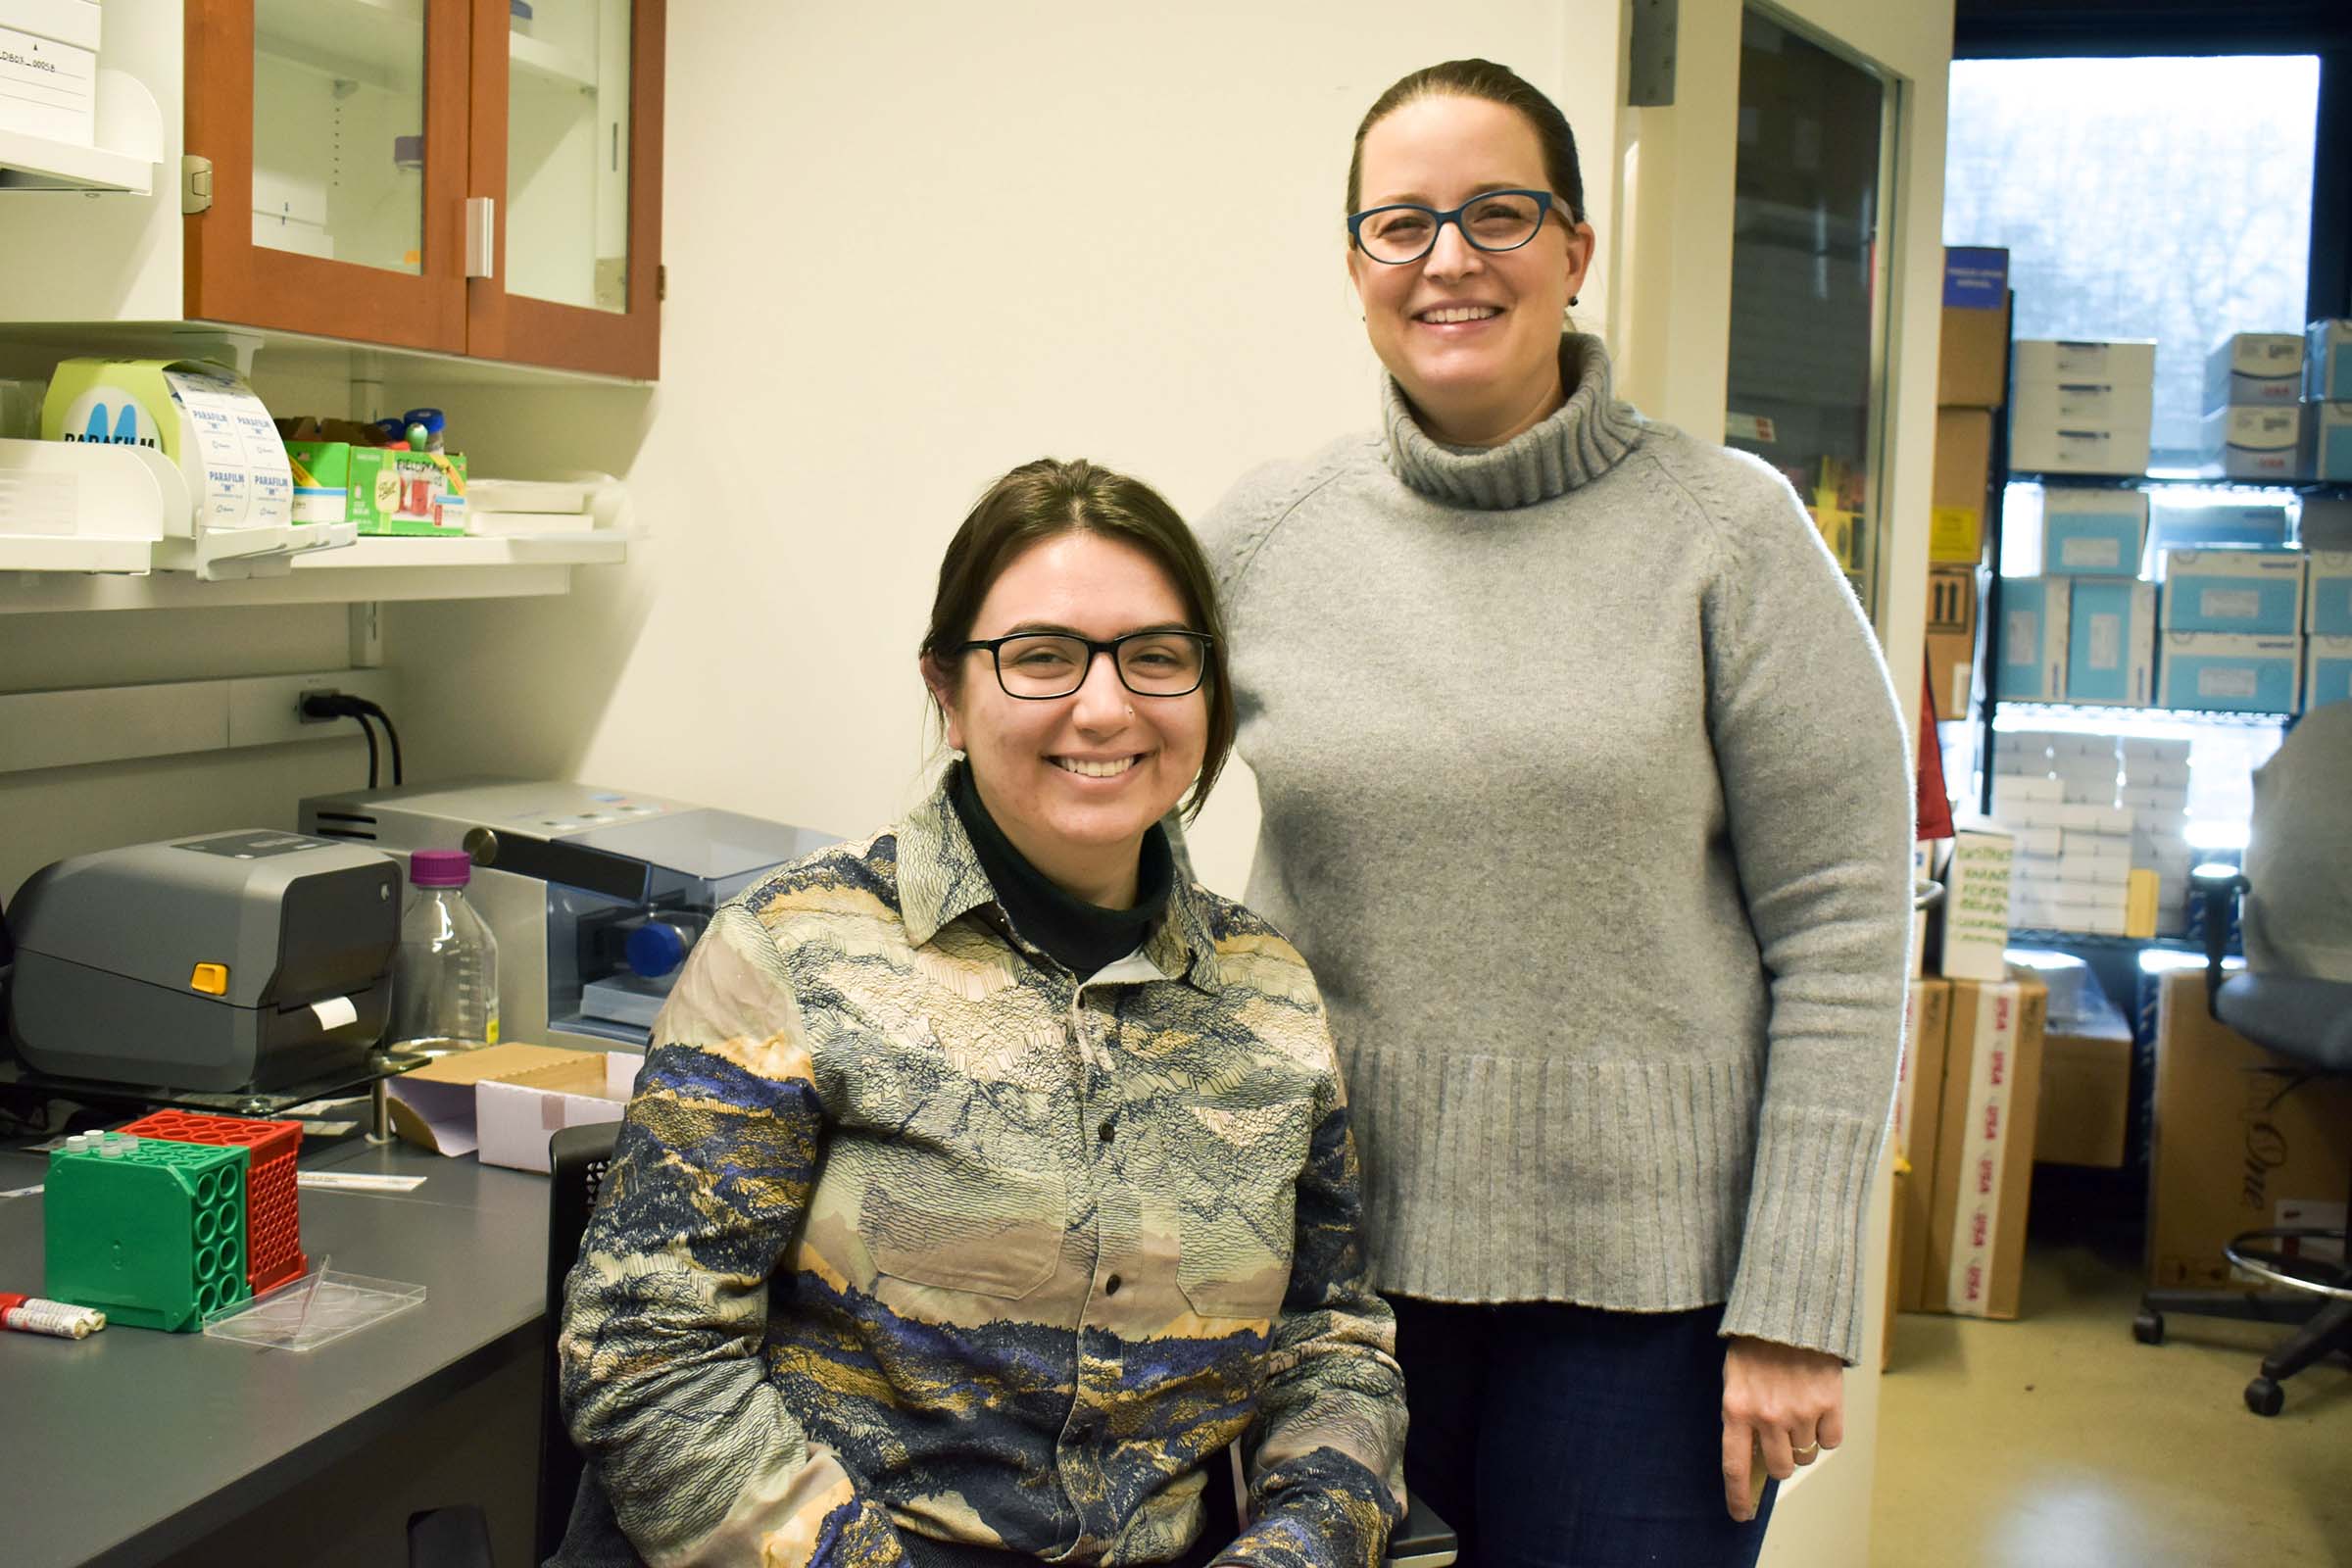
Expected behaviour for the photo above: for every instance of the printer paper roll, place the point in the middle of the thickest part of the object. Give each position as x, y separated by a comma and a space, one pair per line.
334, 1012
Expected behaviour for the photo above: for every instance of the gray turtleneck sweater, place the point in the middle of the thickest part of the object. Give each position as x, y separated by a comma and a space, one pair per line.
1587, 798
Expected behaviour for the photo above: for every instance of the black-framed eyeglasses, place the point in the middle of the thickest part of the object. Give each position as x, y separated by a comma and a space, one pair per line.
1492, 220
1037, 665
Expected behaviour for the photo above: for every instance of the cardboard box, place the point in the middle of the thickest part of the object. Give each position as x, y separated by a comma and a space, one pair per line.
2240, 1138
2326, 442
1952, 638
48, 87
2255, 593
2087, 449
2260, 444
2084, 406
384, 490
1963, 479
2033, 639
2328, 593
1984, 1148
502, 1102
1900, 1183
2327, 361
2114, 361
1975, 903
1973, 356
2085, 1094
2218, 672
2111, 647
2326, 671
2093, 533
2240, 525
2253, 369
1918, 1126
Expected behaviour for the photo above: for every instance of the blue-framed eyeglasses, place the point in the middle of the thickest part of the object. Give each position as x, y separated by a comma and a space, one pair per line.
1492, 220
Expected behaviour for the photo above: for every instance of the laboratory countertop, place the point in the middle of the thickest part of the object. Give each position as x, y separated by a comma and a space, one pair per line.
128, 1444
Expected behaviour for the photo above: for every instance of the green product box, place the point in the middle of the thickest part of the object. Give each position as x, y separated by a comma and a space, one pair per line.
152, 1236
383, 489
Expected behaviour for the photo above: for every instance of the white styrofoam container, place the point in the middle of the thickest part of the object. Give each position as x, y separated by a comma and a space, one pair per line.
47, 88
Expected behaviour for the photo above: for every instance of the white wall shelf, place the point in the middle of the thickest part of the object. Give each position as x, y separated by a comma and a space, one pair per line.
373, 569
130, 143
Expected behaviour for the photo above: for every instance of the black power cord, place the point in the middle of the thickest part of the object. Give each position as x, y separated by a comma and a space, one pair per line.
334, 705
373, 710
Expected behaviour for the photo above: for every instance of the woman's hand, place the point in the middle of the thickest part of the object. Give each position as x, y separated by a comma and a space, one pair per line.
1782, 1406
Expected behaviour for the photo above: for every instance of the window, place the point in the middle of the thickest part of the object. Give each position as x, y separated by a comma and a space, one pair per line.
2165, 198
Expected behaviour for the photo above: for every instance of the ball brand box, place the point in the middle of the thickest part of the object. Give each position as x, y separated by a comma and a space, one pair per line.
2258, 443
2225, 672
2033, 639
2249, 369
2111, 643
2094, 533
2256, 593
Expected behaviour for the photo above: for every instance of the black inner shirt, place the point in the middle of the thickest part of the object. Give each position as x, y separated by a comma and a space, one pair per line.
1082, 937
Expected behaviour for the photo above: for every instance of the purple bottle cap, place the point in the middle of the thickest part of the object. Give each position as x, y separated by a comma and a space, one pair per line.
440, 868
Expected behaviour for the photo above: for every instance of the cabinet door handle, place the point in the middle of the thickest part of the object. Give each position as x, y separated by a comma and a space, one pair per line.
481, 236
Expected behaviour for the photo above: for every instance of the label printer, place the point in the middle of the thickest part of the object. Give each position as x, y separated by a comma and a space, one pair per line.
246, 961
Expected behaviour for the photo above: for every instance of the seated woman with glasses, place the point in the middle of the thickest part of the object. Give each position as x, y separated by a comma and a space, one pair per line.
987, 1179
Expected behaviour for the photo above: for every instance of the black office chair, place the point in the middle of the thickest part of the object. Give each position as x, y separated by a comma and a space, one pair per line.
576, 1161
2298, 843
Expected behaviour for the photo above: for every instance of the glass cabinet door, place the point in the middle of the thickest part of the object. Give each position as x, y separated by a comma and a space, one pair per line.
338, 131
1810, 223
569, 152
567, 149
336, 136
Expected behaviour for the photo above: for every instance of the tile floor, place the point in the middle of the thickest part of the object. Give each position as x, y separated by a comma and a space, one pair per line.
2057, 1442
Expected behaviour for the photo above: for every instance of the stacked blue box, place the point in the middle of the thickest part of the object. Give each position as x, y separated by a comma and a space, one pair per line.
2228, 672
2249, 592
2093, 533
2033, 640
2111, 642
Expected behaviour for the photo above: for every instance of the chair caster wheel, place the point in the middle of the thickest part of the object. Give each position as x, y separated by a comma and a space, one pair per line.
2265, 1397
2148, 1327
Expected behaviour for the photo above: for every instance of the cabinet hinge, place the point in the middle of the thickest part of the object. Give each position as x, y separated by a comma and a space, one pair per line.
195, 184
662, 282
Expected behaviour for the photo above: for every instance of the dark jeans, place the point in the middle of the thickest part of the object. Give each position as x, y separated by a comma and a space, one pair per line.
1551, 1435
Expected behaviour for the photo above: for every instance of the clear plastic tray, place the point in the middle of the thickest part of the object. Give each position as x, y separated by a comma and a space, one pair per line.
316, 1309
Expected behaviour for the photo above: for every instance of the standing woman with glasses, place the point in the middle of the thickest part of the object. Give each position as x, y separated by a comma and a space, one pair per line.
986, 1180
1586, 794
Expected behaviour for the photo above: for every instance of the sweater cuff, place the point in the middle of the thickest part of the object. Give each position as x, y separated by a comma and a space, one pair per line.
1800, 1264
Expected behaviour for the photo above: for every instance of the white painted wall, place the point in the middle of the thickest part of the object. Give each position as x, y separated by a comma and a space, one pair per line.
908, 249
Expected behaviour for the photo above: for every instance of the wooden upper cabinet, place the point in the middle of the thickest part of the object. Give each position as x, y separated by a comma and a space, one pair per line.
465, 176
567, 146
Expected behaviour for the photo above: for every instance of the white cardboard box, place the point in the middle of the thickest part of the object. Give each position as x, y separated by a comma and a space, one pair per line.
1976, 903
2084, 405
47, 88
2118, 447
2254, 593
2255, 443
2081, 360
2254, 367
502, 1102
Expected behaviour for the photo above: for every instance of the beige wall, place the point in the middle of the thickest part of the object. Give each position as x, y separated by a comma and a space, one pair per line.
907, 249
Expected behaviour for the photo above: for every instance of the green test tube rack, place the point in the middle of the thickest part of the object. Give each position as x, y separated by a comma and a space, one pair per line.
152, 1234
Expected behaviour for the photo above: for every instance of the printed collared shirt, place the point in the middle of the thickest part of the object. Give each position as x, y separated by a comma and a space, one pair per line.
909, 1230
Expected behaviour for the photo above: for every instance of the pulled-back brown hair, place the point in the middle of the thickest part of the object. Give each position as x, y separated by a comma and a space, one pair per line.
1044, 500
1497, 84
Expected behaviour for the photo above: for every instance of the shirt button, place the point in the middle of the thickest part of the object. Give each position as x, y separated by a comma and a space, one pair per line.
1103, 1132
1110, 1286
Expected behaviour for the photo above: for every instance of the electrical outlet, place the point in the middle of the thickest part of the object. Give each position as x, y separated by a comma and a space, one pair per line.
266, 709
